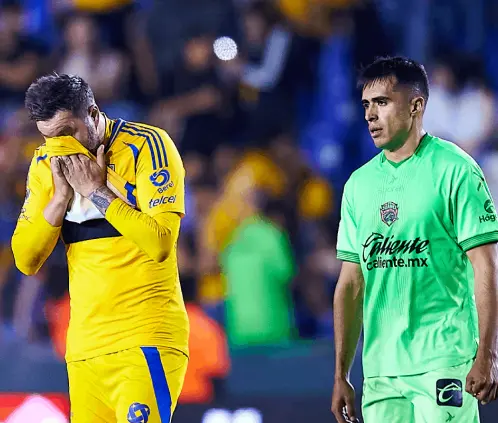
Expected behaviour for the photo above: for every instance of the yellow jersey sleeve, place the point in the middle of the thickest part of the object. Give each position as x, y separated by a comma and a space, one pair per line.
34, 238
161, 199
156, 236
161, 188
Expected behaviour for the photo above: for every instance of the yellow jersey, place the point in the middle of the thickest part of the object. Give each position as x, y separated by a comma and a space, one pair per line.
120, 296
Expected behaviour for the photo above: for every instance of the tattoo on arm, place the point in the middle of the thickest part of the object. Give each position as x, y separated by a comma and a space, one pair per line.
102, 198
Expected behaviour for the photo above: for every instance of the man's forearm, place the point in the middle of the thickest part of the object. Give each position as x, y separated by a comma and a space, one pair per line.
102, 198
55, 211
348, 319
484, 262
486, 293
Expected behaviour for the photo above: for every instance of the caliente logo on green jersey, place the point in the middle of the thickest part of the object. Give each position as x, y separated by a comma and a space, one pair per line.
380, 251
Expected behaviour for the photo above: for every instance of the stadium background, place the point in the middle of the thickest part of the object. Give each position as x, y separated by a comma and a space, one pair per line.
273, 133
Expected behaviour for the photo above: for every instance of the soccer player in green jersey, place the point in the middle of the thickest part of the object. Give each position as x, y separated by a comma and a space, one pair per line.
417, 238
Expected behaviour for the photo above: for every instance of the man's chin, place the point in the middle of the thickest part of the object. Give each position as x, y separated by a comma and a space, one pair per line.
380, 142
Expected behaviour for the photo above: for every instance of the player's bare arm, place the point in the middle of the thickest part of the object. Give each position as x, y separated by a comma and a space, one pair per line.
482, 380
102, 198
348, 320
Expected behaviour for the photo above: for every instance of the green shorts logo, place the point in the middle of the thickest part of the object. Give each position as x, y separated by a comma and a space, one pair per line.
489, 207
449, 392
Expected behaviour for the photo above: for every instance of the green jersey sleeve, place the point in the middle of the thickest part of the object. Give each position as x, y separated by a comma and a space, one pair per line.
346, 238
473, 210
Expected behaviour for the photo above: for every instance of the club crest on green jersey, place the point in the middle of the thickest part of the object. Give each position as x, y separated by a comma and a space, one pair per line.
389, 213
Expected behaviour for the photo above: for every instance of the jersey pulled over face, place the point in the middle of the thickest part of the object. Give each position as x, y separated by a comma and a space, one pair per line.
409, 226
120, 297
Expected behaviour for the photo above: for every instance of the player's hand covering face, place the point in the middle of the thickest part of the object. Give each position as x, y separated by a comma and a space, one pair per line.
389, 110
83, 174
62, 188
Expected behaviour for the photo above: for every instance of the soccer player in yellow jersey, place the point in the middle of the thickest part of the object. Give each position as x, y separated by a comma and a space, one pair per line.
127, 349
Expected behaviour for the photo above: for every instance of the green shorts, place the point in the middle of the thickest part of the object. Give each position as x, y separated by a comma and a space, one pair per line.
434, 397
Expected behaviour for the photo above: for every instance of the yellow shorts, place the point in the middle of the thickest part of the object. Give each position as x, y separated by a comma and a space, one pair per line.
139, 385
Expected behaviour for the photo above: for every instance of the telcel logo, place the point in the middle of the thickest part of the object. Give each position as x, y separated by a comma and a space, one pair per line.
163, 200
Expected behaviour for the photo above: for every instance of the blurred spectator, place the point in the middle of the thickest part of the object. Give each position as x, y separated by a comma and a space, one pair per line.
489, 165
112, 17
264, 73
308, 194
279, 172
229, 208
460, 106
175, 21
211, 285
314, 286
19, 58
439, 118
105, 69
259, 267
190, 108
144, 68
308, 200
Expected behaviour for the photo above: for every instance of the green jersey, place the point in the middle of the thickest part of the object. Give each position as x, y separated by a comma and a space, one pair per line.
409, 226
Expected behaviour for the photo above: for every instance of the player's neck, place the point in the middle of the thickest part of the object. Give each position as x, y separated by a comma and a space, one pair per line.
407, 149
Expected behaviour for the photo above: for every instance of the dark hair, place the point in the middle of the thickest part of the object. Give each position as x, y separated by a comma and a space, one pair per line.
407, 72
53, 93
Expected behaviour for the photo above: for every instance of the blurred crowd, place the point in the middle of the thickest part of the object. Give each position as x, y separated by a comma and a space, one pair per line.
260, 98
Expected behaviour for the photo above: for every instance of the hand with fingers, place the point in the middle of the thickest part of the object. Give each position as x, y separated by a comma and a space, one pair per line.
482, 380
83, 174
343, 406
63, 191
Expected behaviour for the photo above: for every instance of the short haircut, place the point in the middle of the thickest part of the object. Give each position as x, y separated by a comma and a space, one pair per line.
53, 93
405, 71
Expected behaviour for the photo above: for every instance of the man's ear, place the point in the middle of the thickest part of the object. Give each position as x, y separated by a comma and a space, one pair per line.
94, 114
417, 105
